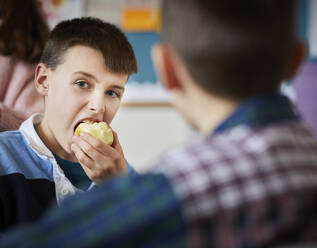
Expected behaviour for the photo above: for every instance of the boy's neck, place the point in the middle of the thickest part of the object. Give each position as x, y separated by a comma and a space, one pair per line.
55, 149
204, 110
212, 111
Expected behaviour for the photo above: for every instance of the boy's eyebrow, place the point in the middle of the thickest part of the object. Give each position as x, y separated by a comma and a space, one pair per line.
95, 79
118, 87
86, 74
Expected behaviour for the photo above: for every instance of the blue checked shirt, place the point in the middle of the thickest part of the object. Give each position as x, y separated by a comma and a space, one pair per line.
251, 183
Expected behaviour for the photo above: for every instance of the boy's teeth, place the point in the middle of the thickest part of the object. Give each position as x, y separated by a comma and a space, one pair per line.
88, 121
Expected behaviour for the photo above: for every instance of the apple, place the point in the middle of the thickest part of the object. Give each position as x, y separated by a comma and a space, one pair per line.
99, 130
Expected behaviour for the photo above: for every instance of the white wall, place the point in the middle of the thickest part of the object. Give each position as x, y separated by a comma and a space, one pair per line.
312, 29
145, 132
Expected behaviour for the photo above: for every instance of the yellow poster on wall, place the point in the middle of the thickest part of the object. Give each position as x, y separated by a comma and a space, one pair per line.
140, 19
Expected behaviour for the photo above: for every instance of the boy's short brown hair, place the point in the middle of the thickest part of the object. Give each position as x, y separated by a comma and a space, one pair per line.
232, 48
95, 33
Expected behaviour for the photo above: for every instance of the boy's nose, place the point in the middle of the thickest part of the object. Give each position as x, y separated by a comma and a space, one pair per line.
97, 105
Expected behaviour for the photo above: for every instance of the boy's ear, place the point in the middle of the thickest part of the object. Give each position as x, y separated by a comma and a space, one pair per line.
166, 66
41, 79
298, 56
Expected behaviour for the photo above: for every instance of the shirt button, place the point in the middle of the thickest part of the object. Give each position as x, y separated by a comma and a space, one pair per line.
64, 191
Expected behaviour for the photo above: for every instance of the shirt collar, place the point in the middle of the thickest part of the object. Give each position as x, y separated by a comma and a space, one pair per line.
259, 110
28, 129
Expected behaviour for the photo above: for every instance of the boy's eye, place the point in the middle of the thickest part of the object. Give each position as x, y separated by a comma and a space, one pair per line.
113, 93
82, 84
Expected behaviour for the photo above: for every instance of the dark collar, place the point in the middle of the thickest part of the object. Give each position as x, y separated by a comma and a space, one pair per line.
259, 110
74, 172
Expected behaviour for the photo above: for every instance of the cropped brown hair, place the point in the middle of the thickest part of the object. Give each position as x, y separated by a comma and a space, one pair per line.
95, 33
232, 48
23, 30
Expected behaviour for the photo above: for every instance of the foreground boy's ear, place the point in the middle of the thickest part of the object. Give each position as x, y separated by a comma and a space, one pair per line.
41, 79
298, 56
166, 66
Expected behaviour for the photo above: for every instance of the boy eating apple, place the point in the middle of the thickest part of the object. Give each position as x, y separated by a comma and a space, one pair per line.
82, 75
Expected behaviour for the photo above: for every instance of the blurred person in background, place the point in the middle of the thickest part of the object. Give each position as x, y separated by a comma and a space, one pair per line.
23, 33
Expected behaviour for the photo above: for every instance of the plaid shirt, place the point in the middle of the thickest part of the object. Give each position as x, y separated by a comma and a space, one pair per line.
252, 183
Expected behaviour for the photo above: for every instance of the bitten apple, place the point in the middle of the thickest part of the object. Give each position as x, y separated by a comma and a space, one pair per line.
99, 130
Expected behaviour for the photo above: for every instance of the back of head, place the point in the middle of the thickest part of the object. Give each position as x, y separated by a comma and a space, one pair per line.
94, 33
232, 48
23, 30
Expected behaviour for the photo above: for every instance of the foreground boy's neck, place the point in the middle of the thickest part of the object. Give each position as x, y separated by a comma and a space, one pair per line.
204, 110
212, 112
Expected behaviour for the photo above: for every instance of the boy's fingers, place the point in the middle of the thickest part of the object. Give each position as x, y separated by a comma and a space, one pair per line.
83, 159
88, 155
116, 144
88, 165
96, 143
84, 145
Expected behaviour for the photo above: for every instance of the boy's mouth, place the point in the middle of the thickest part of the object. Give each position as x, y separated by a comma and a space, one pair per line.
85, 120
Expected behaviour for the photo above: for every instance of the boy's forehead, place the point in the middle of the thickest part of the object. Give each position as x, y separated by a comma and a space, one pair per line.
88, 62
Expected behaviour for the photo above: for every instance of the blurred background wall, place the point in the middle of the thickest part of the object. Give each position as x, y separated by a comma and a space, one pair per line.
305, 83
146, 123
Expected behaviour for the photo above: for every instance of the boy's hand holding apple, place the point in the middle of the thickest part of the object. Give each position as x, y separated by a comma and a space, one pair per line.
98, 150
